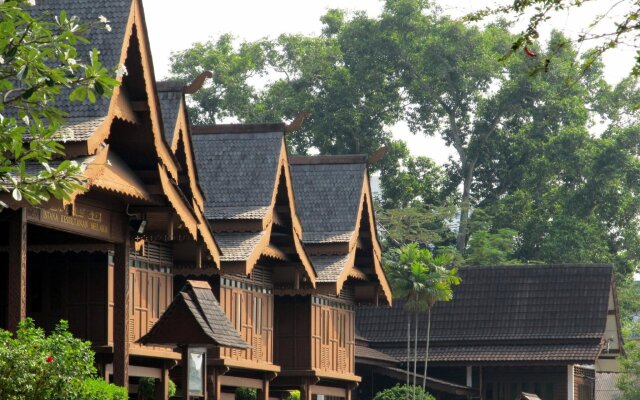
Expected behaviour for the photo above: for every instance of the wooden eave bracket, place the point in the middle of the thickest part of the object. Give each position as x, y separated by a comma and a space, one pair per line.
198, 82
296, 123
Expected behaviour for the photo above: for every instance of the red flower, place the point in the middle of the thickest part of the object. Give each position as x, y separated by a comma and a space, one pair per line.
49, 359
529, 52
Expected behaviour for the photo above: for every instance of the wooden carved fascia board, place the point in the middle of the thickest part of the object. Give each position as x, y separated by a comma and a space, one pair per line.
377, 250
616, 306
94, 143
366, 201
183, 210
253, 258
283, 166
92, 170
207, 237
182, 132
121, 106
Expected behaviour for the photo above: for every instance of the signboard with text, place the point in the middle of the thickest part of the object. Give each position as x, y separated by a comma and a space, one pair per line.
84, 220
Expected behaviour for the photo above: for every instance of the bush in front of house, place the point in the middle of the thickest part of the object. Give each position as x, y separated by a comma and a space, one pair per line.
147, 388
403, 392
245, 394
99, 389
34, 366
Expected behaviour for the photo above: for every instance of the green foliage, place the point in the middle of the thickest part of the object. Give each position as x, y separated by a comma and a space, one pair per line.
419, 278
38, 61
294, 395
416, 224
99, 389
487, 248
403, 392
147, 388
246, 394
34, 366
606, 31
629, 381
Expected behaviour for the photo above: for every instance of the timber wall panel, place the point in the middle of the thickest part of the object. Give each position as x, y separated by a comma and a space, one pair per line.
333, 338
238, 300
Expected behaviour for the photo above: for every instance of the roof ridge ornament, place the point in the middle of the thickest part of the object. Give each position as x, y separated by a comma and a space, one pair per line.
296, 123
198, 82
378, 155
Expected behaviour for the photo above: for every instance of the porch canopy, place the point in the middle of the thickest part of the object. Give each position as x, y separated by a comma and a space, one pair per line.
194, 317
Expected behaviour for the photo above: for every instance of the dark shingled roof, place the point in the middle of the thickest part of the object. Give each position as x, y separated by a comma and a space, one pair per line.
373, 354
169, 106
237, 172
203, 307
238, 246
327, 199
507, 306
109, 44
607, 386
571, 353
329, 267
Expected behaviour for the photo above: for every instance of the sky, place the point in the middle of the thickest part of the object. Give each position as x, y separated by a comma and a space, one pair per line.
174, 28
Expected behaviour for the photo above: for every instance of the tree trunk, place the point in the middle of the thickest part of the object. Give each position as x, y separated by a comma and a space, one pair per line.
408, 345
465, 207
426, 353
415, 354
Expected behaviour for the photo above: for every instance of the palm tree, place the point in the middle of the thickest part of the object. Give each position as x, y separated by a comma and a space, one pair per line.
421, 280
439, 287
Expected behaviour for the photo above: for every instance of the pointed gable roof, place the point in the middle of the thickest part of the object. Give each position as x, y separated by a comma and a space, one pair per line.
334, 202
243, 168
328, 191
201, 320
110, 44
238, 166
90, 125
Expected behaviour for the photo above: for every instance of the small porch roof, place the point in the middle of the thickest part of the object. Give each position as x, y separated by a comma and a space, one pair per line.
194, 317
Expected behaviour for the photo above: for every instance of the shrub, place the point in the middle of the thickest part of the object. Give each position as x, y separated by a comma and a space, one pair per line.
98, 389
58, 367
245, 394
147, 388
294, 395
403, 392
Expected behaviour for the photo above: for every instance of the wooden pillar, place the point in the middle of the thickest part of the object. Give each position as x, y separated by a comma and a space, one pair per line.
162, 386
185, 372
263, 394
121, 314
305, 393
17, 301
347, 394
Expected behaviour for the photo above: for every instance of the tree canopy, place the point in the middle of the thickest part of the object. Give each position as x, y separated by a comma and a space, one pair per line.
38, 64
530, 182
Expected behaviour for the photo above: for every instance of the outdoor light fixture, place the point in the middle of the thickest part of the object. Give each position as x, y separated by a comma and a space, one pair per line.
138, 225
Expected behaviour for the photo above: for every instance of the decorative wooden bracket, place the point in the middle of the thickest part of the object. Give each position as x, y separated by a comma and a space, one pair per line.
198, 82
377, 155
296, 123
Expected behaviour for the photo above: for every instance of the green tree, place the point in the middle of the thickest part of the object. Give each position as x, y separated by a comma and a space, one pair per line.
34, 366
38, 63
420, 280
604, 33
629, 381
403, 392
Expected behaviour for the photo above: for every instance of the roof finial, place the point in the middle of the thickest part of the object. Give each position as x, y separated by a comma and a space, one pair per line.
198, 82
296, 123
378, 154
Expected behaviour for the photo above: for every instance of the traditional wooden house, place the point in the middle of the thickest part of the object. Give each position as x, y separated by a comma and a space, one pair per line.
244, 173
316, 349
104, 260
540, 329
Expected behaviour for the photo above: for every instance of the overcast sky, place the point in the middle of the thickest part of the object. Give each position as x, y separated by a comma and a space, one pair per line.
175, 26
